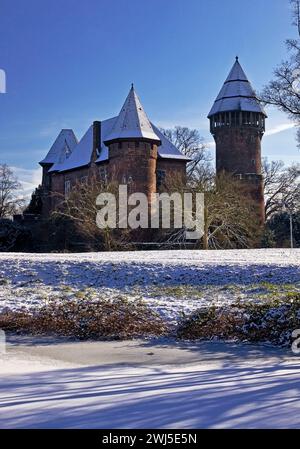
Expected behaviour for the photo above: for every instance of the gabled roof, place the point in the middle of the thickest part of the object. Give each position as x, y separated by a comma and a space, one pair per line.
61, 148
237, 94
132, 121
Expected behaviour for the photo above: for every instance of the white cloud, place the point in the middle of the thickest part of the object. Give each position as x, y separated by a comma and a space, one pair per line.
211, 144
279, 128
29, 179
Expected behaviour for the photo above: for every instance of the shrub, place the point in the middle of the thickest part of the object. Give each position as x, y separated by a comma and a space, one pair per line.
83, 319
13, 236
272, 321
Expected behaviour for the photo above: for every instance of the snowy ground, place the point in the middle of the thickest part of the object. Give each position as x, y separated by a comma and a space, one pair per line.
171, 282
143, 384
147, 385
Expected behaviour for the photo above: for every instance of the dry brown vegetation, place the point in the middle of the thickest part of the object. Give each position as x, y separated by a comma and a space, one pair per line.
82, 319
272, 321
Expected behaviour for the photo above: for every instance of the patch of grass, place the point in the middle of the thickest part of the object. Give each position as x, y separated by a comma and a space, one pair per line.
177, 291
66, 288
80, 294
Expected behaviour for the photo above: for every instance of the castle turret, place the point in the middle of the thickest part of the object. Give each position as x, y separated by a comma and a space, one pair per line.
237, 122
133, 145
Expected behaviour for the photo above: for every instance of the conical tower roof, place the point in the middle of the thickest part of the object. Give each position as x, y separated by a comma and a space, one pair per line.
132, 121
237, 94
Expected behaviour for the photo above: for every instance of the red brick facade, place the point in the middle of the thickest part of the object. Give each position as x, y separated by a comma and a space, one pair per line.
238, 152
134, 162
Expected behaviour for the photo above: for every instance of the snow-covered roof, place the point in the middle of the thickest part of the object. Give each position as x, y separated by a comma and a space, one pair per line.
139, 126
106, 127
167, 149
81, 154
132, 121
61, 148
237, 94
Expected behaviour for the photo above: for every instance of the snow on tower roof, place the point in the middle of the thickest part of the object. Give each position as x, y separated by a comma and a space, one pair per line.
237, 94
81, 155
138, 126
132, 122
62, 146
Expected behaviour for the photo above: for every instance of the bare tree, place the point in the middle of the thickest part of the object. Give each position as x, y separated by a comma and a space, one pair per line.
230, 215
192, 145
81, 209
10, 202
284, 90
296, 13
281, 187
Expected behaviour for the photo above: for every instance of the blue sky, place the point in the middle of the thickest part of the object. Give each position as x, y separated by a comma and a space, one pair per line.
69, 62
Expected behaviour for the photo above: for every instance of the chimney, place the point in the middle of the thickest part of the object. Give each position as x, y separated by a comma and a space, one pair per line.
96, 140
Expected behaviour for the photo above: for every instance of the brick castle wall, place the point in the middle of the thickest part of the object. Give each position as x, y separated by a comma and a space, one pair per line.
238, 151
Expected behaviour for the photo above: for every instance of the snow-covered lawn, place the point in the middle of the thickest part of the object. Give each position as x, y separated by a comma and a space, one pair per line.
143, 384
170, 281
149, 385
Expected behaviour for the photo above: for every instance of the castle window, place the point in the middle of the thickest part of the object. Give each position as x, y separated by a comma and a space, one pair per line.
127, 179
234, 118
67, 188
161, 177
103, 174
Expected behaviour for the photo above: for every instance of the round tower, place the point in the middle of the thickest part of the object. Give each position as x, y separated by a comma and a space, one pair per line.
237, 122
133, 148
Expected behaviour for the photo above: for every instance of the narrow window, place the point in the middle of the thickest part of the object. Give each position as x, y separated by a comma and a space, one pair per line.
161, 177
67, 188
103, 175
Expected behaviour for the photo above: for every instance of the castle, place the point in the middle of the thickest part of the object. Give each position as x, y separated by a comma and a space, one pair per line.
128, 149
131, 150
